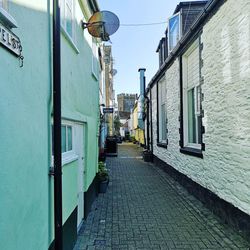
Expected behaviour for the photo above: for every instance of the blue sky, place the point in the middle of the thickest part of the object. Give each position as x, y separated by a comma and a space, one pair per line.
134, 47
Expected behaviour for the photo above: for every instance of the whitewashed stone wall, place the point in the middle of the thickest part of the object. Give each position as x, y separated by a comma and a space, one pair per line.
225, 169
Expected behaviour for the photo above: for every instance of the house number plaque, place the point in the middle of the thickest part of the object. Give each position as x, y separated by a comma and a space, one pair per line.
10, 41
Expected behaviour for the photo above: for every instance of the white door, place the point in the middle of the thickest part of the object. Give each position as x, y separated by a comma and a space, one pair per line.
79, 140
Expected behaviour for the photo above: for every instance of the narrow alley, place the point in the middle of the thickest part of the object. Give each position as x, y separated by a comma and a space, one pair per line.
144, 208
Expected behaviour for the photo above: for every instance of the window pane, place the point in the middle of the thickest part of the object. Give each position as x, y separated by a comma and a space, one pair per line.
163, 121
4, 4
199, 128
191, 117
63, 139
69, 130
174, 31
69, 21
62, 7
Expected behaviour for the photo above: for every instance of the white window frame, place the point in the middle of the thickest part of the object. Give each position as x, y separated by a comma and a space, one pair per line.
69, 37
180, 31
161, 103
95, 59
70, 155
5, 16
197, 96
4, 4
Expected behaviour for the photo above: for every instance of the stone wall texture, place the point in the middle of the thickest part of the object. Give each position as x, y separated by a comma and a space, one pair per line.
225, 168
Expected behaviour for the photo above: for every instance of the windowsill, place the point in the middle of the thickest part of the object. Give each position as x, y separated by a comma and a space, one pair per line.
162, 144
95, 76
70, 40
192, 151
7, 19
69, 158
66, 159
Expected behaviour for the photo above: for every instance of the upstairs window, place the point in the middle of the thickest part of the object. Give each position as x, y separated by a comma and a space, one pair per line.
67, 17
95, 61
4, 4
162, 51
174, 31
5, 16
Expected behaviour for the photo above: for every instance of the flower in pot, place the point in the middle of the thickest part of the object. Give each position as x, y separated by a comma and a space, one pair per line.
103, 177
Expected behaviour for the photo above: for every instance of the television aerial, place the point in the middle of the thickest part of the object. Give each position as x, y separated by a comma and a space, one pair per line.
102, 24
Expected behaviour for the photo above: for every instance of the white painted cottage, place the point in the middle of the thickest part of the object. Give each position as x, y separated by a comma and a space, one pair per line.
200, 105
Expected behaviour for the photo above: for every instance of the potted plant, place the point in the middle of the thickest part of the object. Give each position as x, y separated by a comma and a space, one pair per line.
103, 177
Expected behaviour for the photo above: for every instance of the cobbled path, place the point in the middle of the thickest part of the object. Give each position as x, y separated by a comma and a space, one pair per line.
144, 208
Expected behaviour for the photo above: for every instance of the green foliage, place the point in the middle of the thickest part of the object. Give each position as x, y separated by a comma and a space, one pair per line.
132, 138
117, 125
102, 172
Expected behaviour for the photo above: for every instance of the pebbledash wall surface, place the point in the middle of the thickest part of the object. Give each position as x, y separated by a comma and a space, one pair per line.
224, 170
26, 189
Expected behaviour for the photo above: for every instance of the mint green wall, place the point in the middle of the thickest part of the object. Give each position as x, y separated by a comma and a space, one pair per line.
69, 189
26, 190
80, 96
24, 103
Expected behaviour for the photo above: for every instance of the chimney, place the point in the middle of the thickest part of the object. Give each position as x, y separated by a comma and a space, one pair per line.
141, 98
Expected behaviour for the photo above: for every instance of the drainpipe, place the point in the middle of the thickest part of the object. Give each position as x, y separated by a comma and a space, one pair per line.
148, 137
151, 122
57, 126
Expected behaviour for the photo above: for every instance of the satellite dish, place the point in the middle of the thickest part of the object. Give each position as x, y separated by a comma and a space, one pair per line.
102, 24
113, 72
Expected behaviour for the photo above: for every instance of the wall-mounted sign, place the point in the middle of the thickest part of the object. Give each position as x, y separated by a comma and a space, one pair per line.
10, 41
108, 110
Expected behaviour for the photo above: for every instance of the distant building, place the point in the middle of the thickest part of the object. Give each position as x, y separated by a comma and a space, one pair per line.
109, 87
126, 102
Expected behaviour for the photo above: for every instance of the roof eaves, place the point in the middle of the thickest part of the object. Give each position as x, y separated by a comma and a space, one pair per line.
185, 39
181, 4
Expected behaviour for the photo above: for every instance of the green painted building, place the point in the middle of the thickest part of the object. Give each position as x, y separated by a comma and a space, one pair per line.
26, 189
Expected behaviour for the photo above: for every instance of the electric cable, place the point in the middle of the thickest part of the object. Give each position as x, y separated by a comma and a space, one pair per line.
141, 24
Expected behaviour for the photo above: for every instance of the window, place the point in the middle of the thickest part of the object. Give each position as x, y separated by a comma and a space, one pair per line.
192, 98
66, 139
174, 31
162, 129
95, 61
5, 16
67, 17
4, 4
162, 51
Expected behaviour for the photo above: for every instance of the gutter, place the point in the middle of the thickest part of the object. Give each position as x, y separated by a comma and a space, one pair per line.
93, 6
185, 39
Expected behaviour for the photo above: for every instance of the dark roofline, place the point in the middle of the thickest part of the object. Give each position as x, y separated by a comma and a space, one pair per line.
160, 43
194, 29
181, 4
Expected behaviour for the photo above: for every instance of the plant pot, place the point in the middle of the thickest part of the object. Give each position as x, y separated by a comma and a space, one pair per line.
103, 185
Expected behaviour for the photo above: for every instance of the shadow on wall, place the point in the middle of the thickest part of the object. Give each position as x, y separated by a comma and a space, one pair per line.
26, 189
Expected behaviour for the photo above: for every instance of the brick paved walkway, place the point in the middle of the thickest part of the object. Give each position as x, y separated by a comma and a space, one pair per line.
145, 209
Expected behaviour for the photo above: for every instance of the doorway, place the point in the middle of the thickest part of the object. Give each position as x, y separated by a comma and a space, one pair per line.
80, 150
